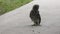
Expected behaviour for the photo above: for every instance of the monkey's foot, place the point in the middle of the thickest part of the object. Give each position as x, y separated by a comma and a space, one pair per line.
36, 25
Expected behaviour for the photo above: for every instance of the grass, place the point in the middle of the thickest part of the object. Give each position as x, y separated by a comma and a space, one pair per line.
8, 5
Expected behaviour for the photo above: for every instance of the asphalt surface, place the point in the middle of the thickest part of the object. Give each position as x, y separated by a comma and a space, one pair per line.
18, 21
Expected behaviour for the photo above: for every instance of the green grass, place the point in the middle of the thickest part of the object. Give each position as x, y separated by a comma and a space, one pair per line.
8, 5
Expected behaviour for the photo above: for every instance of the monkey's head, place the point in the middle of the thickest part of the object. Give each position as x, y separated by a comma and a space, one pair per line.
35, 7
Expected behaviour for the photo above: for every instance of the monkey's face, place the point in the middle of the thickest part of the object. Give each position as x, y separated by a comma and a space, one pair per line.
35, 7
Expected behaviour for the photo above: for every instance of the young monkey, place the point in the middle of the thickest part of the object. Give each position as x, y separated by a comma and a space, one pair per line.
35, 16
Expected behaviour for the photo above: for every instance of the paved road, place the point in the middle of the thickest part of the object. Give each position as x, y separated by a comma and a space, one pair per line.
18, 21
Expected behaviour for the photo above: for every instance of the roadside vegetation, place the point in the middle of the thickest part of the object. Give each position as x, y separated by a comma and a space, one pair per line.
8, 5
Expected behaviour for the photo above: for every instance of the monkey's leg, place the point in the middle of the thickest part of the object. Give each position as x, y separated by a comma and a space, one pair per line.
38, 22
35, 23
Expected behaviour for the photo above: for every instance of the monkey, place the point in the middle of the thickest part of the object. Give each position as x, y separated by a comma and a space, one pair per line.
35, 16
